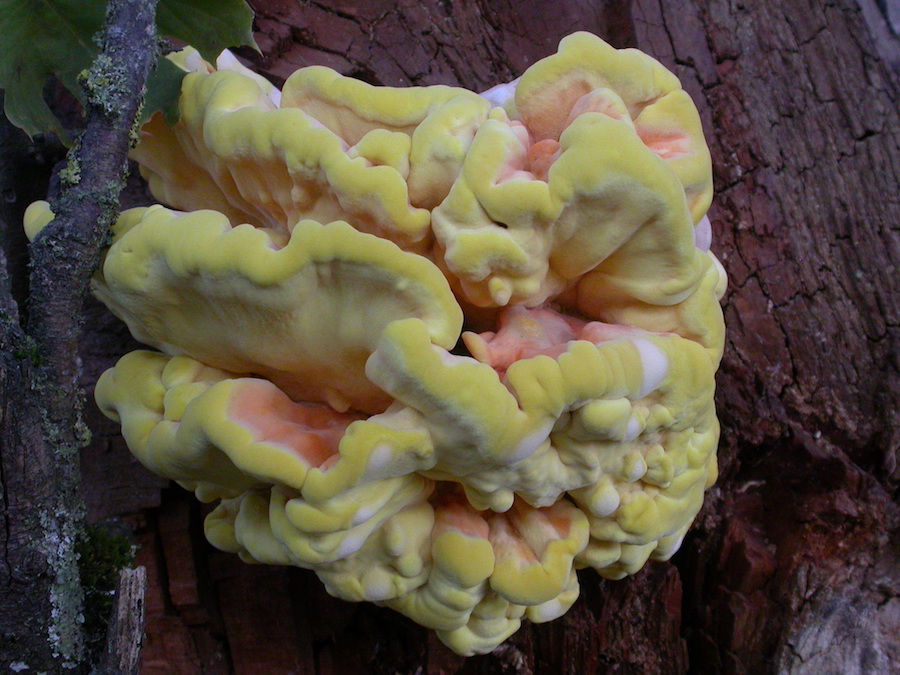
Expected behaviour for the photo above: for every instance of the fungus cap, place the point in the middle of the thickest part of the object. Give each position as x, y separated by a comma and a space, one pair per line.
307, 283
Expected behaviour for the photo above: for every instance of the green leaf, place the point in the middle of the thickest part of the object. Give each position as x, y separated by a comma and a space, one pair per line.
43, 38
207, 25
163, 90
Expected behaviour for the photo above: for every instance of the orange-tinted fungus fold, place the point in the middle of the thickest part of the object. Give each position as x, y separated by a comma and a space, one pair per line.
311, 430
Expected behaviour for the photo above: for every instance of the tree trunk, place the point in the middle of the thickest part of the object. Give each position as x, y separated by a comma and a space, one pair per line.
792, 565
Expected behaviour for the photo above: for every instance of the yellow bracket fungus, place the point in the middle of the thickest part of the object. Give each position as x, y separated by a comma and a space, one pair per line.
308, 282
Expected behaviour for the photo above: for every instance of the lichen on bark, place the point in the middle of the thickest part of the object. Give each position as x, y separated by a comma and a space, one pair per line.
42, 431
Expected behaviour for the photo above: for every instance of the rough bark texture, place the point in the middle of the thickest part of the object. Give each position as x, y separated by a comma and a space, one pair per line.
793, 564
41, 515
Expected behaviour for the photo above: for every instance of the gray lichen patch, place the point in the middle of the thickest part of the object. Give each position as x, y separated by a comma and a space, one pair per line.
64, 631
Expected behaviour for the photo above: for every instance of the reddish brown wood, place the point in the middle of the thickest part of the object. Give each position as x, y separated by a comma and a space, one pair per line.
168, 647
786, 569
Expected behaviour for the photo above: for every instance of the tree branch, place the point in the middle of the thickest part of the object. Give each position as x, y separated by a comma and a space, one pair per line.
42, 432
67, 251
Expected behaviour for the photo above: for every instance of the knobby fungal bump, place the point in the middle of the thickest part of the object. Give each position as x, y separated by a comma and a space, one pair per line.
441, 348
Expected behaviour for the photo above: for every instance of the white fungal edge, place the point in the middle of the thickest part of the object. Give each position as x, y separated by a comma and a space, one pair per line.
501, 94
530, 443
703, 234
655, 365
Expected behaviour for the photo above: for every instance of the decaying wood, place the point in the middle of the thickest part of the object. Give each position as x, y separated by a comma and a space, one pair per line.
126, 626
793, 563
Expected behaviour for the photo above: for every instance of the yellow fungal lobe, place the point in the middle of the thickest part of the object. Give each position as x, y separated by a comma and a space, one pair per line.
306, 281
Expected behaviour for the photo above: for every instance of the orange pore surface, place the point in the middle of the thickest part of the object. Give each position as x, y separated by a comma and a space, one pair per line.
310, 430
526, 333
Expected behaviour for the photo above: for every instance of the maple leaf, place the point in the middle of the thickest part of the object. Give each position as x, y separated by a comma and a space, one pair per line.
44, 38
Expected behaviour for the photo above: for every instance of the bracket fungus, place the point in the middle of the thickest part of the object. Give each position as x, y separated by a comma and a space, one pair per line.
442, 348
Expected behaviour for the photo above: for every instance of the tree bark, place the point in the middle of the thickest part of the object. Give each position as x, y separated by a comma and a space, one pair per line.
41, 429
792, 566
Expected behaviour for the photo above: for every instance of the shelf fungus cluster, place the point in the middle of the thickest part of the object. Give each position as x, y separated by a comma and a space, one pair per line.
442, 348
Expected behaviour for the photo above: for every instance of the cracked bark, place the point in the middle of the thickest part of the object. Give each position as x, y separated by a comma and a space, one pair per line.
792, 565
